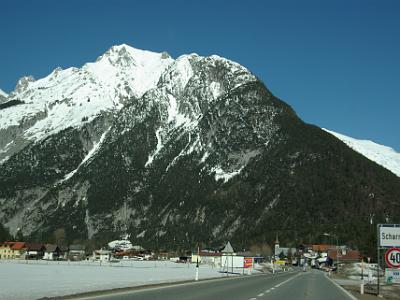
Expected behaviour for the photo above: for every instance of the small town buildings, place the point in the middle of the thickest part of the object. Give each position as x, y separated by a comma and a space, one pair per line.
210, 258
64, 251
18, 250
12, 250
52, 252
345, 255
102, 255
77, 252
34, 251
5, 250
283, 251
322, 247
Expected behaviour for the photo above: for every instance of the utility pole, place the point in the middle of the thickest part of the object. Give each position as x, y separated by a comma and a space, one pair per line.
196, 278
337, 254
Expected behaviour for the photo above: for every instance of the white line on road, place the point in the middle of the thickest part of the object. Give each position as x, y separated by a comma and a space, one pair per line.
278, 285
286, 281
341, 288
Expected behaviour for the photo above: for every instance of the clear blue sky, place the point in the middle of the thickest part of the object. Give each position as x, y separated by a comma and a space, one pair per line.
337, 62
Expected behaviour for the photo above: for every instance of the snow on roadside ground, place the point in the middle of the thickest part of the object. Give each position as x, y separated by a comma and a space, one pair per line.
20, 280
353, 271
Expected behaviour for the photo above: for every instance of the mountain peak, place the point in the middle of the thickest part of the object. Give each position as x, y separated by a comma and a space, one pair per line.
23, 83
124, 55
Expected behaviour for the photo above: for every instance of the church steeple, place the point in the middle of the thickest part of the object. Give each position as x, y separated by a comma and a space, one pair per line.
276, 252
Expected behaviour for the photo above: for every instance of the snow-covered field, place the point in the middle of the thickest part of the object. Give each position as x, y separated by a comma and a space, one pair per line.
37, 279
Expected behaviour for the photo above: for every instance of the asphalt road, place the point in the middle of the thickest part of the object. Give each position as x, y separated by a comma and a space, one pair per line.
312, 285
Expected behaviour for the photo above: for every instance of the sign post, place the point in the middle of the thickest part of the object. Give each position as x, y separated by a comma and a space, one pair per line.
392, 258
248, 264
388, 237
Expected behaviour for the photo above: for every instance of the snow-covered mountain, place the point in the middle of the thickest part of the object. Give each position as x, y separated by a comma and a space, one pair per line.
66, 97
3, 96
382, 155
173, 153
72, 97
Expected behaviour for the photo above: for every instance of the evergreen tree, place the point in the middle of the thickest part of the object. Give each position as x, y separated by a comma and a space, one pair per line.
4, 233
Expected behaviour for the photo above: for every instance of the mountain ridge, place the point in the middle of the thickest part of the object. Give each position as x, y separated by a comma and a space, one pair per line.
207, 154
382, 155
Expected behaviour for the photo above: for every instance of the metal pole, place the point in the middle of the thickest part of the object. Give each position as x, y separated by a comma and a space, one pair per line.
378, 253
196, 278
337, 254
232, 263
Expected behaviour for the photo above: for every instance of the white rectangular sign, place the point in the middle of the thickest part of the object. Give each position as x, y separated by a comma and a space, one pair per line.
389, 236
392, 275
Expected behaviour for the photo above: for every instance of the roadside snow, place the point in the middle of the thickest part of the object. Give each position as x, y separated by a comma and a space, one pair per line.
20, 280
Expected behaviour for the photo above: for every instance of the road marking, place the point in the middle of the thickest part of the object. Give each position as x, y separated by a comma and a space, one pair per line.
286, 281
340, 288
260, 295
253, 299
267, 291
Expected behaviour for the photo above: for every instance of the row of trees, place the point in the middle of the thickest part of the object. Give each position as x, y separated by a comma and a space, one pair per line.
4, 233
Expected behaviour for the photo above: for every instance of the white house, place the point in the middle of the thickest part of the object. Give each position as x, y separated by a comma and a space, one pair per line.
102, 255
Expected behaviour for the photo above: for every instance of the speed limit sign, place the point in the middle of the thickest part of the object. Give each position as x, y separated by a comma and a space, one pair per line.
392, 258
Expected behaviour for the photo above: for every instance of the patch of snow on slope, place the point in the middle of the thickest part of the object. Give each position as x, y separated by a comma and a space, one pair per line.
4, 150
158, 148
382, 155
225, 176
215, 89
90, 154
175, 80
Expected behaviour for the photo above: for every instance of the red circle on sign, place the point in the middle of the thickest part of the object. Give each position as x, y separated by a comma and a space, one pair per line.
392, 257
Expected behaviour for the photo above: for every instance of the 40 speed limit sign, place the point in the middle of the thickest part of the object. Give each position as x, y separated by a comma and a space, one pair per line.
392, 258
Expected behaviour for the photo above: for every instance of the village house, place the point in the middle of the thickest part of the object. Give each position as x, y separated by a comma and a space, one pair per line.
18, 250
5, 250
63, 252
102, 255
321, 248
12, 250
210, 258
345, 255
34, 250
76, 252
52, 252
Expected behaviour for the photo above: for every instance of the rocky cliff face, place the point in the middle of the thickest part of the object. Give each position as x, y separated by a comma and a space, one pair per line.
175, 153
